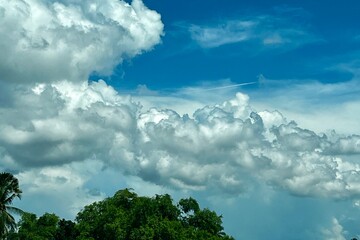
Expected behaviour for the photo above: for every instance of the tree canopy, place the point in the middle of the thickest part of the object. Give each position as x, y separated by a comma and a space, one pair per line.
127, 216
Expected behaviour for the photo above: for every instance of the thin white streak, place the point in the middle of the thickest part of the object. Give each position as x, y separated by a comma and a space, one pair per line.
224, 87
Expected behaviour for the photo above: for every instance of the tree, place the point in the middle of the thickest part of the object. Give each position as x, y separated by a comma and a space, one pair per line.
27, 227
46, 227
208, 221
66, 230
9, 190
189, 205
129, 216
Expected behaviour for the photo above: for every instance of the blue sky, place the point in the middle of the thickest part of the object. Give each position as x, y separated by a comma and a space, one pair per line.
314, 40
251, 107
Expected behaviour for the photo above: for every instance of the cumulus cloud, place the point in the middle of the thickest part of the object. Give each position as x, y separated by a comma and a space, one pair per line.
56, 129
64, 122
63, 188
225, 147
336, 232
303, 100
266, 31
46, 41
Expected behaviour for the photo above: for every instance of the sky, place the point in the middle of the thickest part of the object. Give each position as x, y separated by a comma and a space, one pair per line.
251, 107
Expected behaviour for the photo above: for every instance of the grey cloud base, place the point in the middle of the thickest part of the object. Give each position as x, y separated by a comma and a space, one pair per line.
226, 147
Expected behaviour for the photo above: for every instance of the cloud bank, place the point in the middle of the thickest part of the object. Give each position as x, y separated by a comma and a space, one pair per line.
226, 147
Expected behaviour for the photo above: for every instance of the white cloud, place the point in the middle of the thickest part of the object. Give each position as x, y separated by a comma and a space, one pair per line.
336, 232
265, 31
57, 40
63, 123
59, 189
225, 147
58, 131
187, 100
230, 32
321, 107
229, 141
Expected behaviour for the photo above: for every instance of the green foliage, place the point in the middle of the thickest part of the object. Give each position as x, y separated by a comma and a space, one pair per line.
208, 221
46, 227
66, 230
28, 226
127, 216
189, 205
9, 190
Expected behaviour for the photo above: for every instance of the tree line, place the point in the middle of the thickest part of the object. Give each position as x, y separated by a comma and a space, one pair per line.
122, 216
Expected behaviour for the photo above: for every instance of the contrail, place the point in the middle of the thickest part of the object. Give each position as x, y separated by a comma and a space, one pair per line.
228, 86
195, 89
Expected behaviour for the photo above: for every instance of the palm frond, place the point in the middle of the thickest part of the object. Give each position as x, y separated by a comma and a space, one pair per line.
9, 190
14, 210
